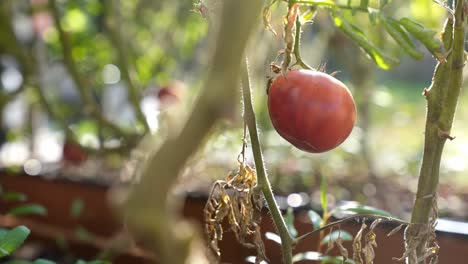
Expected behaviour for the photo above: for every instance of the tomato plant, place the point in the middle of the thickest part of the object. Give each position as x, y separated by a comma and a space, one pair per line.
312, 110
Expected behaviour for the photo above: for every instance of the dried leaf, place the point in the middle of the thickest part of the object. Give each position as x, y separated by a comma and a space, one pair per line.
375, 223
289, 22
369, 254
357, 246
242, 206
343, 250
395, 230
266, 20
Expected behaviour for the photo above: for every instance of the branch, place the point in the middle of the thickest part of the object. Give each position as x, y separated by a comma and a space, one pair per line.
85, 92
263, 182
149, 209
111, 11
347, 219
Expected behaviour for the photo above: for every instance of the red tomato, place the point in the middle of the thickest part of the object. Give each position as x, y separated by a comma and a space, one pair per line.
168, 96
73, 153
312, 110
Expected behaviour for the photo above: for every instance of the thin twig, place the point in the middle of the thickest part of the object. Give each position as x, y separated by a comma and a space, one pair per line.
112, 13
85, 92
341, 221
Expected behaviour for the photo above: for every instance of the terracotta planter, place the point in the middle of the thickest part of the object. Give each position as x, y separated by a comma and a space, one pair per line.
98, 218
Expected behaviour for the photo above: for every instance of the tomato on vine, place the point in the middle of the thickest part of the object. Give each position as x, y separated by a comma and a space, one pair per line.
312, 110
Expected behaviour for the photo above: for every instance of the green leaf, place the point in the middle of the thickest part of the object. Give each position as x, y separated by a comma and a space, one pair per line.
426, 36
308, 255
329, 3
273, 237
14, 261
80, 261
13, 239
76, 208
315, 219
361, 209
336, 260
14, 196
43, 261
289, 220
3, 232
398, 33
333, 236
383, 61
3, 252
308, 15
83, 234
28, 209
323, 194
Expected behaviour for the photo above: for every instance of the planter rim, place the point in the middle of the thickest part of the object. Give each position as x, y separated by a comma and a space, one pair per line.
444, 226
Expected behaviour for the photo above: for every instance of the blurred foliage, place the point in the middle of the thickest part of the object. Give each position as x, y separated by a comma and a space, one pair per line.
138, 45
161, 41
157, 34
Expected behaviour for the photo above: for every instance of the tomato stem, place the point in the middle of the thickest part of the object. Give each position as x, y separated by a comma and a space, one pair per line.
297, 45
263, 182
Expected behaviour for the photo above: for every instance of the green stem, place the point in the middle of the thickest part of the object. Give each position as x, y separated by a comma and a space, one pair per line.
442, 98
347, 219
263, 182
297, 45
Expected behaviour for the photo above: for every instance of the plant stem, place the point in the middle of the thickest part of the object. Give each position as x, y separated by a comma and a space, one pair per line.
150, 207
442, 99
297, 45
263, 182
112, 13
83, 88
347, 219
